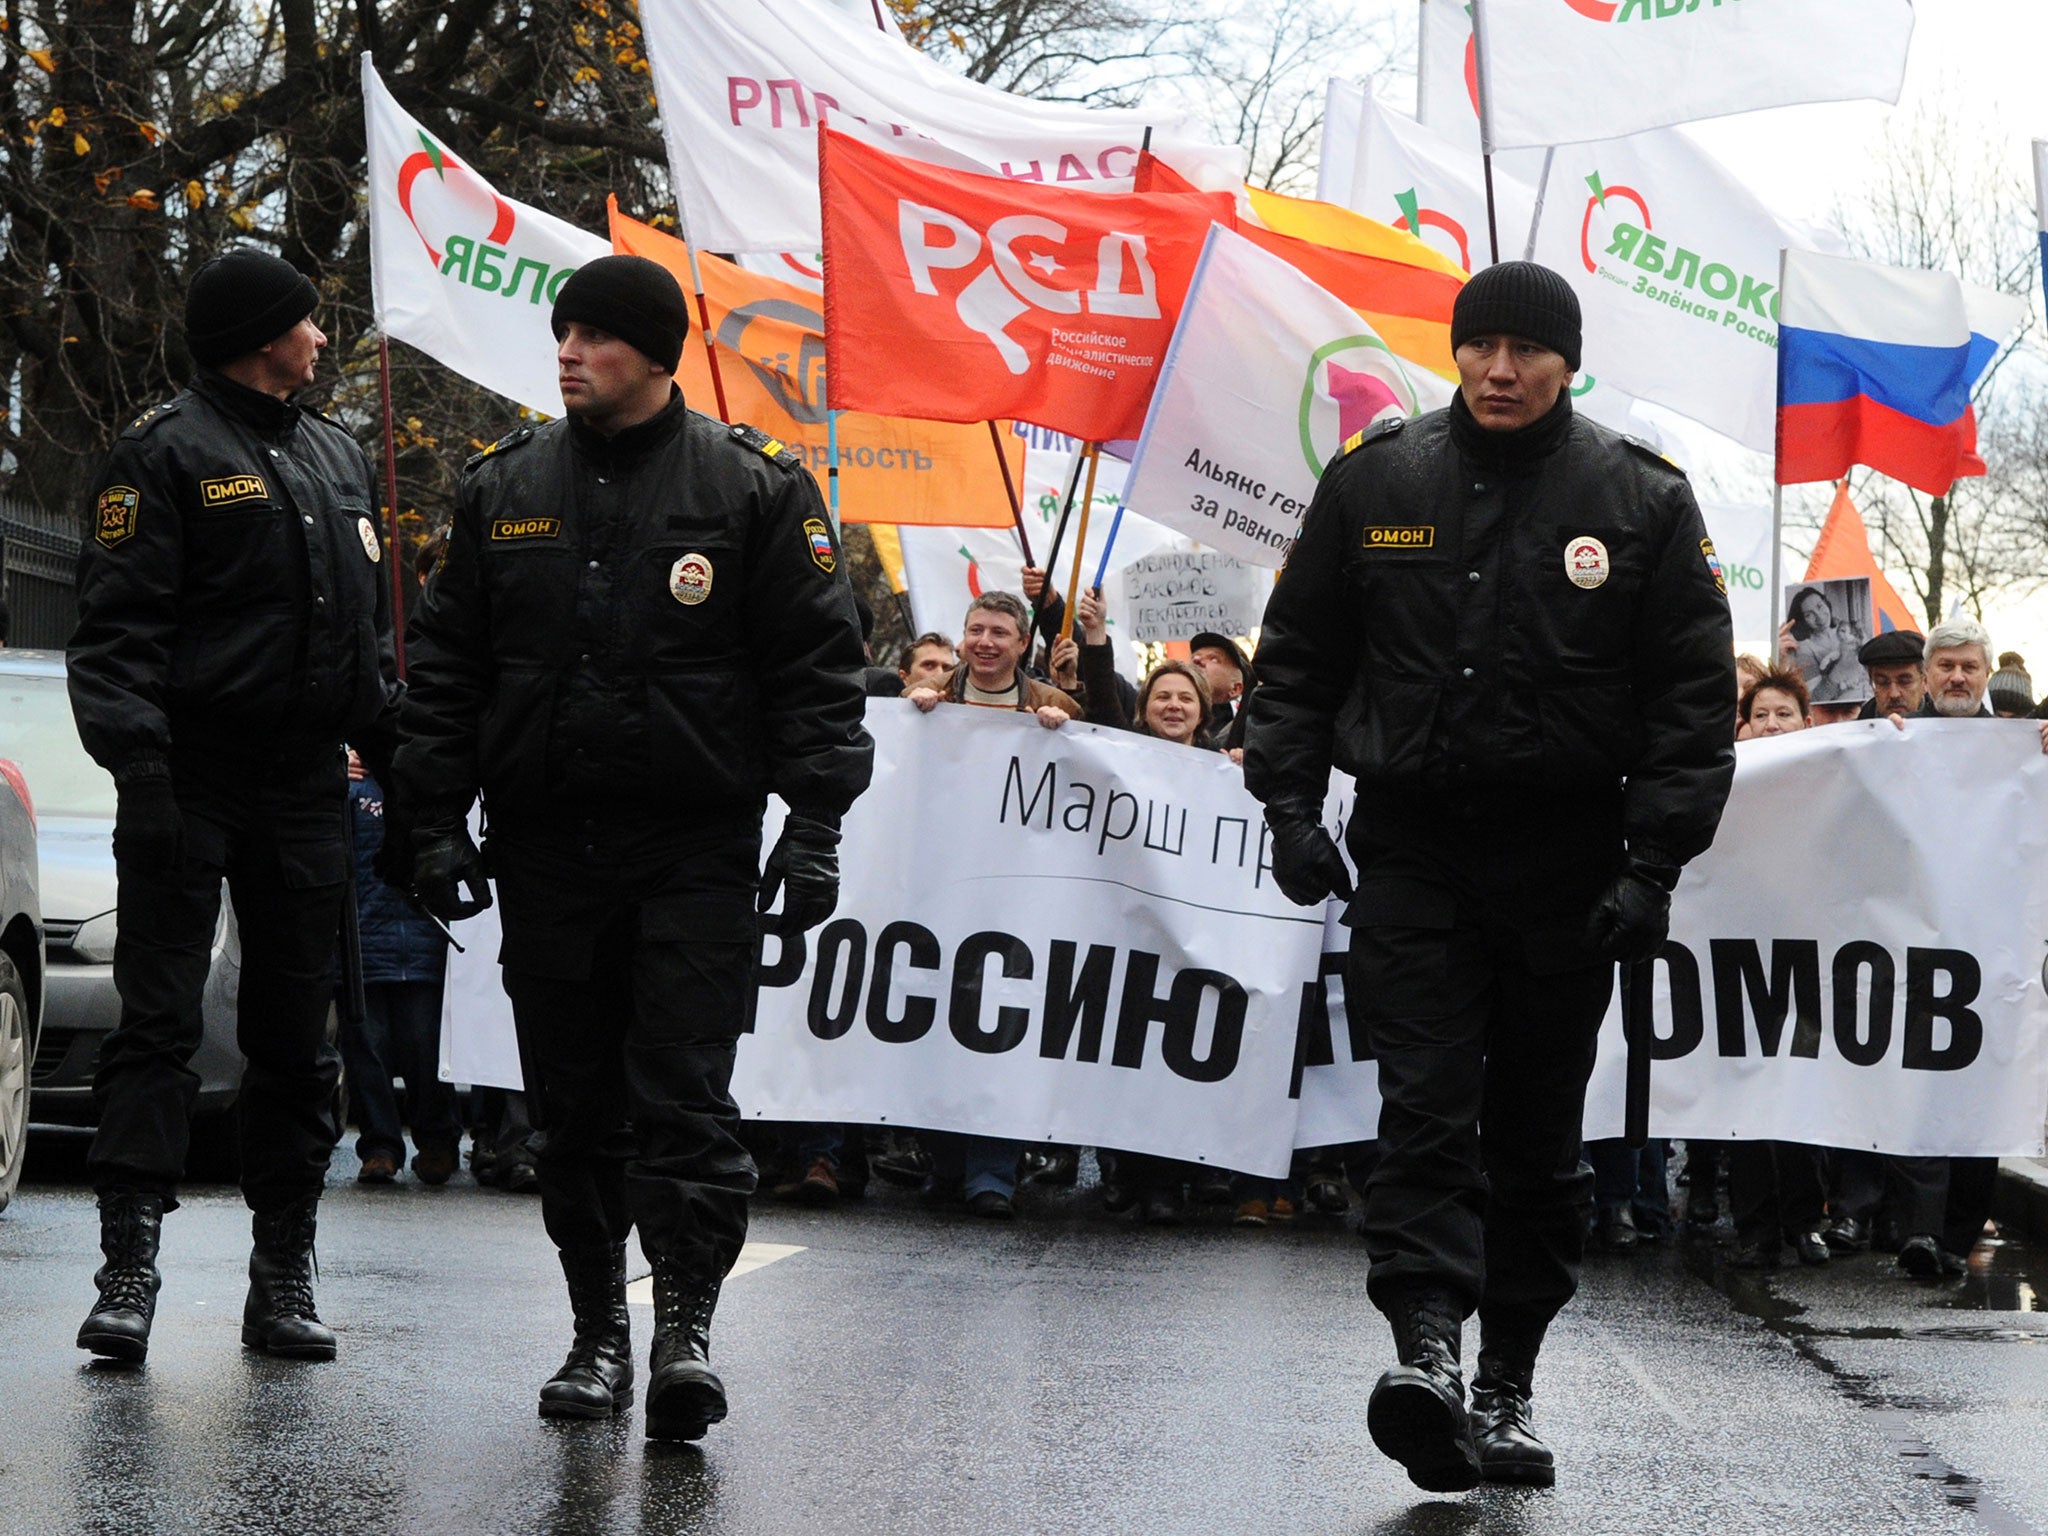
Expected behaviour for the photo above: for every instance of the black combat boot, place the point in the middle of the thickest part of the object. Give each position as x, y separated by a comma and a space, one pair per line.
684, 1395
1509, 1451
278, 1318
1416, 1414
596, 1381
131, 1226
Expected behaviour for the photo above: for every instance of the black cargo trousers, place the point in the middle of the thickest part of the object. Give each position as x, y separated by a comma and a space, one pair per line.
270, 824
631, 969
1483, 1005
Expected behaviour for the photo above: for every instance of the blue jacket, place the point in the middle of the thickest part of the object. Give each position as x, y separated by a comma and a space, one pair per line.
399, 943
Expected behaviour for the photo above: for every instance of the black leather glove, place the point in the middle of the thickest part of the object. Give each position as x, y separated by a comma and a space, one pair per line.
805, 859
149, 829
1306, 864
1632, 918
444, 862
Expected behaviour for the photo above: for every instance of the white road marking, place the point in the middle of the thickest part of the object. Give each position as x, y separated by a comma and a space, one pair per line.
752, 1257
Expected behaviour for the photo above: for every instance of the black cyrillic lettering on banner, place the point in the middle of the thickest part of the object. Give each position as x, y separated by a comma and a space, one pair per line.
1688, 1011
1180, 1011
1047, 789
791, 951
842, 942
922, 953
964, 1015
1072, 998
1793, 991
1139, 1008
1924, 1005
1858, 1048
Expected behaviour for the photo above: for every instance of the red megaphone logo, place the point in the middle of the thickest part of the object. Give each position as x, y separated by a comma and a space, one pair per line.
436, 159
1600, 198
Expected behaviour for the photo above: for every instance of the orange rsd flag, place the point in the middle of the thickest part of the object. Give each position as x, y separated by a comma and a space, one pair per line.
957, 296
1403, 288
771, 360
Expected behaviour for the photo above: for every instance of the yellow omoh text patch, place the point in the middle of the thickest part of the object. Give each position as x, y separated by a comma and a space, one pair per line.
506, 529
1400, 538
115, 514
229, 489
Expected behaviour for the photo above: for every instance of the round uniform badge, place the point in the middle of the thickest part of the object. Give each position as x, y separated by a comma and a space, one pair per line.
689, 580
1585, 561
371, 547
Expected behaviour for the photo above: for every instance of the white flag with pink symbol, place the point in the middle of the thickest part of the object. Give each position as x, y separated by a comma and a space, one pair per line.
1268, 377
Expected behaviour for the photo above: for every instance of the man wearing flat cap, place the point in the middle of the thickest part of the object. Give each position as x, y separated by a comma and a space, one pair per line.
1896, 663
642, 628
234, 628
1509, 625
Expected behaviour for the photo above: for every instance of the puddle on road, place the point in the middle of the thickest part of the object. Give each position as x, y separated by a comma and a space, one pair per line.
2002, 1278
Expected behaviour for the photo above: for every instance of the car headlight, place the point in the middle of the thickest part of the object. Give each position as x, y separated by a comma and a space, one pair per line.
94, 942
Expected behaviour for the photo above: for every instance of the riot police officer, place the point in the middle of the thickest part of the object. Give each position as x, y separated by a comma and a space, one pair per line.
233, 629
1509, 624
641, 628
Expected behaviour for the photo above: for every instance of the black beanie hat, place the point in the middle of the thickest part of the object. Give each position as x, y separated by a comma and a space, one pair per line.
241, 300
635, 299
1519, 298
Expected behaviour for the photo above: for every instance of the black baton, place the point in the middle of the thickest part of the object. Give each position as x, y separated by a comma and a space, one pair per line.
1635, 1030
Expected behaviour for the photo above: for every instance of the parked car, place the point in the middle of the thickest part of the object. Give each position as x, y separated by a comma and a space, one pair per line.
21, 969
75, 836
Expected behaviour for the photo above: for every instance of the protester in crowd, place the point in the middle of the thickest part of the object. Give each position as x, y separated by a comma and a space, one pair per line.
1895, 662
1520, 825
993, 637
642, 628
1748, 668
991, 673
234, 627
2011, 690
1231, 680
1776, 1189
404, 962
1051, 610
1958, 671
928, 663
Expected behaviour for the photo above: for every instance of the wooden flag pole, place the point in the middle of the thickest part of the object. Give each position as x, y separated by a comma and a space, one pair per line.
1059, 529
703, 317
1010, 489
1080, 544
397, 551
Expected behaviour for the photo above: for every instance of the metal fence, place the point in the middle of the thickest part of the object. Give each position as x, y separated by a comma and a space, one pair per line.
39, 555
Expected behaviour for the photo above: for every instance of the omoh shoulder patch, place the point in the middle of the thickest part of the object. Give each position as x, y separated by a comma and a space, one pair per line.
116, 514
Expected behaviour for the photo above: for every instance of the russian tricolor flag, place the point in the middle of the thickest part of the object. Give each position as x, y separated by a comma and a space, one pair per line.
1875, 367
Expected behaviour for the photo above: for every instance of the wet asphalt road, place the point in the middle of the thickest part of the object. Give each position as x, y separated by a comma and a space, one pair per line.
906, 1370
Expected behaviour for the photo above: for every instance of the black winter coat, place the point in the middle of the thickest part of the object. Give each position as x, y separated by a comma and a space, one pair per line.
232, 594
1548, 628
653, 629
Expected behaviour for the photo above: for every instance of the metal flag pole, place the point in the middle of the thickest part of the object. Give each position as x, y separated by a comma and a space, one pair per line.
1485, 128
397, 557
1777, 592
1542, 192
1080, 543
831, 460
1115, 527
1009, 488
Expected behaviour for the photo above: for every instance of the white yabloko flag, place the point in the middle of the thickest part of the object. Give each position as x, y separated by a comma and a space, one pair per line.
463, 274
1675, 262
744, 83
1571, 71
1267, 378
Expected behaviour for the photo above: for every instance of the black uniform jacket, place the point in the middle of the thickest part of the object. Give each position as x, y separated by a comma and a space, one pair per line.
651, 629
1547, 630
231, 594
